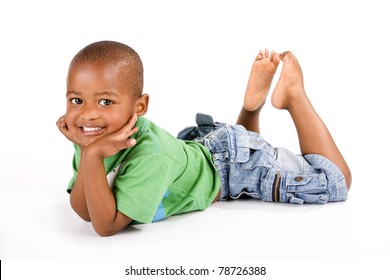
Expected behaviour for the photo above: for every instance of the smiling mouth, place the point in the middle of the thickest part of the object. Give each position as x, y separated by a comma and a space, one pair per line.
92, 130
89, 129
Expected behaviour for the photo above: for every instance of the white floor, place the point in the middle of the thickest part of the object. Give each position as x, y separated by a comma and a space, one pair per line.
40, 228
334, 238
199, 55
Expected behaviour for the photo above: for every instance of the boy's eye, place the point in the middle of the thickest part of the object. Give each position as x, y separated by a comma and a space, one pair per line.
76, 101
105, 102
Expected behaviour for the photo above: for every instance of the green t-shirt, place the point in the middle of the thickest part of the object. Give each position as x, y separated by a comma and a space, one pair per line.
160, 176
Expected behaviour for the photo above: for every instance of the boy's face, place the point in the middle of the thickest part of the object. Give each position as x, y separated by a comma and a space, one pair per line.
99, 101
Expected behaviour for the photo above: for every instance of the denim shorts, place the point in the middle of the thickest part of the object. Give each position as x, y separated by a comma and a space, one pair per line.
248, 165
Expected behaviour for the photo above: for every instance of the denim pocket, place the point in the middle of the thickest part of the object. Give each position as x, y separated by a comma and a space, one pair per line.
250, 158
249, 150
301, 198
306, 188
313, 183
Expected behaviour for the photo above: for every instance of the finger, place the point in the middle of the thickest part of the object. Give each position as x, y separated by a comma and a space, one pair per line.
127, 134
133, 120
125, 144
60, 121
63, 127
61, 124
129, 128
131, 142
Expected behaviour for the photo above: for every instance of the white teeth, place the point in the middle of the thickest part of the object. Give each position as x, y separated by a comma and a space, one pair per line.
89, 129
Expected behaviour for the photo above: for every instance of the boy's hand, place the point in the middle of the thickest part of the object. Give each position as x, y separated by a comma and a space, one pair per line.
111, 144
62, 126
108, 145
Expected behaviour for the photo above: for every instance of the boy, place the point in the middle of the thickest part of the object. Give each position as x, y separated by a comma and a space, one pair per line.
128, 169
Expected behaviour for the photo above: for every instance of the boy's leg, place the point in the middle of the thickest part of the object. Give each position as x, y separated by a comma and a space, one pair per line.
260, 79
314, 137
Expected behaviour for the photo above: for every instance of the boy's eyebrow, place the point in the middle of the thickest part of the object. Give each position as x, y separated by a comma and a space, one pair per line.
109, 93
72, 92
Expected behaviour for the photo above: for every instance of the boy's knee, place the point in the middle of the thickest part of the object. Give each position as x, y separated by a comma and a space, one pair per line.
348, 179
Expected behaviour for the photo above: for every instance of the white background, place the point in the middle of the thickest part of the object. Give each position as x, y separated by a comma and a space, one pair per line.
197, 56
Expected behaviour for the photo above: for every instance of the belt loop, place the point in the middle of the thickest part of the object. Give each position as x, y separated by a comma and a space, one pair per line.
276, 188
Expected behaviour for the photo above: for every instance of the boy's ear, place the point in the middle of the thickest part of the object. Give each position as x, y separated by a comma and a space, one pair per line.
142, 104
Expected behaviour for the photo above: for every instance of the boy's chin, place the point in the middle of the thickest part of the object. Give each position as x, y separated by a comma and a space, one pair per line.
90, 141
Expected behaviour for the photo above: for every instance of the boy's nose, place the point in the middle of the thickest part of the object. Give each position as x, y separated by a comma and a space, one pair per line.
89, 113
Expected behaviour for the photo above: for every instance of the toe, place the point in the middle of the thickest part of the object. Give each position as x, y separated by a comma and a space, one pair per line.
260, 56
286, 56
275, 57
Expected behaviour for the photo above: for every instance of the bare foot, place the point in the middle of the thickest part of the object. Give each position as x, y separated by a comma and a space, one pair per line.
290, 85
260, 79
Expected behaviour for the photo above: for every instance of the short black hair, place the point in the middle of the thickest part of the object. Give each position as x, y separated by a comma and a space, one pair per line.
115, 53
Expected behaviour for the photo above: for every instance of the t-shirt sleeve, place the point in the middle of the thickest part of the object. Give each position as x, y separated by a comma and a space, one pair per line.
142, 183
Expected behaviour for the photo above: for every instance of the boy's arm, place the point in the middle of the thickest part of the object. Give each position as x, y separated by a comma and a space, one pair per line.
91, 196
91, 184
77, 195
100, 201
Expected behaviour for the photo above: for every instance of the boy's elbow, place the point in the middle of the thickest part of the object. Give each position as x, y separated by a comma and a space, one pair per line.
349, 183
85, 218
104, 232
80, 211
109, 228
83, 215
348, 180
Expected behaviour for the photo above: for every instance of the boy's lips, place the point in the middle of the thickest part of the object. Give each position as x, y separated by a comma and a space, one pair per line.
91, 130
